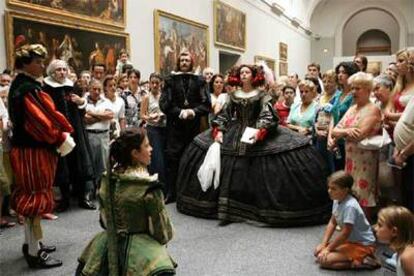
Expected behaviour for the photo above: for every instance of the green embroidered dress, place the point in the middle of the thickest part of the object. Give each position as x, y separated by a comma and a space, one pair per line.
137, 228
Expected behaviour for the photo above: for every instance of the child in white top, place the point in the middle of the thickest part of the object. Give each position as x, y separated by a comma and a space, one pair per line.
396, 227
123, 60
354, 246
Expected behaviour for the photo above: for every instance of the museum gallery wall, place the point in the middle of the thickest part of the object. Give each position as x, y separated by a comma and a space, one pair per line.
83, 33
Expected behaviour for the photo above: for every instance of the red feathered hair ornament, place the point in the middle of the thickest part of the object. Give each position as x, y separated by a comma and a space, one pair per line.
258, 77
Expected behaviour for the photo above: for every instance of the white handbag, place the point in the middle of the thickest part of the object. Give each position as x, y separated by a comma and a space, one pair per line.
375, 142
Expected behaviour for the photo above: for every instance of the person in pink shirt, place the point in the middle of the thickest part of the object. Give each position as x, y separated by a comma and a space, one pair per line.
283, 107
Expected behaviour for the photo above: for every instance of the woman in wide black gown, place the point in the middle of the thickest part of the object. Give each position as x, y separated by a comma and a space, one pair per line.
279, 180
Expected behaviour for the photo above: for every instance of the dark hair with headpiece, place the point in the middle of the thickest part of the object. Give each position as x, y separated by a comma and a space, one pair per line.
28, 52
178, 67
258, 77
211, 86
120, 152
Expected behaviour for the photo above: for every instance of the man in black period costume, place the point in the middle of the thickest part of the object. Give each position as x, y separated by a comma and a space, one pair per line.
184, 100
76, 167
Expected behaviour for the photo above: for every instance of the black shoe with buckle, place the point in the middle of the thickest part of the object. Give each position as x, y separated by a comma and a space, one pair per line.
87, 204
43, 260
46, 248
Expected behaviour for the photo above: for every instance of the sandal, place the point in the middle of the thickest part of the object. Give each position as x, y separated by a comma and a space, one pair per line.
49, 216
4, 223
368, 263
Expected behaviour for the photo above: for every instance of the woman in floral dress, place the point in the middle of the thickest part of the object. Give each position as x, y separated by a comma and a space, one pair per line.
362, 120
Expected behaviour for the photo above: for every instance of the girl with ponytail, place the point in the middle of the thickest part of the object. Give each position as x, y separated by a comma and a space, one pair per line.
133, 214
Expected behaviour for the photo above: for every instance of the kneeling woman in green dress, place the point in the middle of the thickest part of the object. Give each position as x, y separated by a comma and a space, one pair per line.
133, 213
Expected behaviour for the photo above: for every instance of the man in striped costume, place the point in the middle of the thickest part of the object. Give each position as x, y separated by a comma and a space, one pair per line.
39, 134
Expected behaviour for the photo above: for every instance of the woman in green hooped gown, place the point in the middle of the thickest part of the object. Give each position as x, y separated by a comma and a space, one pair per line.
133, 214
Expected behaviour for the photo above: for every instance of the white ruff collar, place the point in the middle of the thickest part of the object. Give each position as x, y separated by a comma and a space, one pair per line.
50, 81
182, 73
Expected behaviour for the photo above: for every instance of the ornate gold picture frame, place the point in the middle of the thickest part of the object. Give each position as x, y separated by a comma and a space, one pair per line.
175, 34
283, 51
283, 68
374, 67
107, 12
229, 26
271, 63
80, 46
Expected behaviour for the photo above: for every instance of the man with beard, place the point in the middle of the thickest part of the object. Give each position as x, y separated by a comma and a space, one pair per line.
184, 100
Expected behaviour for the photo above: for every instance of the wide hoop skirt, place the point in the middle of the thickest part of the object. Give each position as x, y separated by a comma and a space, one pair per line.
280, 181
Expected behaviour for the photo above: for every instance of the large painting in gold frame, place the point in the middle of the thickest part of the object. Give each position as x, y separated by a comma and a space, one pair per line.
108, 12
79, 46
175, 34
229, 26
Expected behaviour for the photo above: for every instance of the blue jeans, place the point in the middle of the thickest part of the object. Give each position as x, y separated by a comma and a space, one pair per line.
157, 137
321, 144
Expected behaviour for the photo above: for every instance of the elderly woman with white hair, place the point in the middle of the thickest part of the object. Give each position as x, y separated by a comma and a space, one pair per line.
75, 169
302, 114
362, 120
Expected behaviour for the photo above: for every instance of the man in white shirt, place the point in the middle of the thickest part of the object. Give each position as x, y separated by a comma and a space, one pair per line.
118, 106
98, 120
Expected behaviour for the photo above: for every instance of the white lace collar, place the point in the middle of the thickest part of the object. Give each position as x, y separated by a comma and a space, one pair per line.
139, 173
